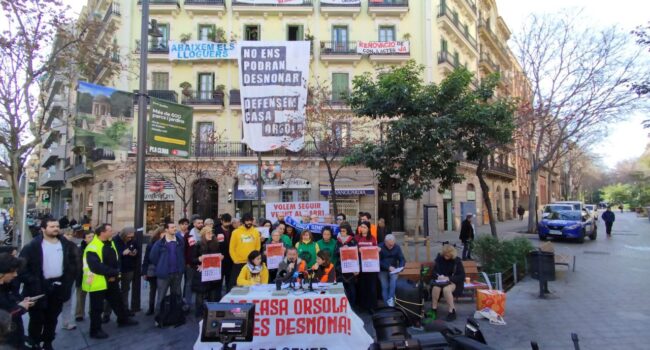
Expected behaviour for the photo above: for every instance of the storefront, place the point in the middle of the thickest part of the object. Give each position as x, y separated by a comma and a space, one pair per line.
159, 198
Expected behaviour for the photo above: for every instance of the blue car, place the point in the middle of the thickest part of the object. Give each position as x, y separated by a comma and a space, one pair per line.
573, 224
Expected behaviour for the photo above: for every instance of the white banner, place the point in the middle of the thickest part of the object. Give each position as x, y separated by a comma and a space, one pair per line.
272, 2
383, 47
202, 50
273, 78
299, 321
341, 2
297, 209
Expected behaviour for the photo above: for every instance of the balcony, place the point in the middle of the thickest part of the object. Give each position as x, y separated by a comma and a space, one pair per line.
205, 7
488, 64
240, 150
340, 9
240, 7
158, 51
388, 8
51, 155
202, 100
336, 51
502, 171
162, 7
452, 25
101, 156
446, 61
235, 98
485, 30
103, 67
168, 95
78, 172
468, 6
51, 178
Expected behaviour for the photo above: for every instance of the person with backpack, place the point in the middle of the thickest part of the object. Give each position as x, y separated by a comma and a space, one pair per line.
449, 280
307, 248
101, 270
205, 291
168, 255
254, 272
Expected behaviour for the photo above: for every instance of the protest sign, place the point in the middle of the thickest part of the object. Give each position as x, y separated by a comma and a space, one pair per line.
264, 232
296, 209
299, 321
313, 228
273, 78
272, 2
349, 259
274, 255
202, 50
369, 259
211, 265
383, 47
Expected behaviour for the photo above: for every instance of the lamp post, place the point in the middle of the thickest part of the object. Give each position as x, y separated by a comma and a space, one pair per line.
142, 144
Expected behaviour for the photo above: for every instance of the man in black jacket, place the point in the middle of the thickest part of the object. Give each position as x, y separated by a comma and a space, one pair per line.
51, 268
467, 236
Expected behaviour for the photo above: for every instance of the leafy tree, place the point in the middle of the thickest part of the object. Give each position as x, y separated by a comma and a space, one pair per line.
484, 124
418, 146
617, 193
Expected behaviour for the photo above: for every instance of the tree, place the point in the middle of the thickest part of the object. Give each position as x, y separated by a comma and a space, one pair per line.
618, 193
34, 28
332, 133
484, 125
418, 145
580, 82
642, 87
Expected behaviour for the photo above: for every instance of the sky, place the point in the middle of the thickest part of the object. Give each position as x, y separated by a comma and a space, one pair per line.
626, 139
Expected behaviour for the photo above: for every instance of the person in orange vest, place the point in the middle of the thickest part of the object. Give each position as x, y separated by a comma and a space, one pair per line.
324, 269
365, 217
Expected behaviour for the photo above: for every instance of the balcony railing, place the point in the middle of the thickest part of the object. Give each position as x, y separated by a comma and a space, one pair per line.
158, 46
77, 170
302, 3
505, 169
485, 24
462, 28
322, 4
100, 154
338, 48
445, 57
471, 4
204, 2
238, 149
487, 59
168, 95
192, 97
235, 97
388, 3
113, 10
161, 2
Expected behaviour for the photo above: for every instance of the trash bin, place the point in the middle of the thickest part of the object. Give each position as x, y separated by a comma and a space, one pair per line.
541, 265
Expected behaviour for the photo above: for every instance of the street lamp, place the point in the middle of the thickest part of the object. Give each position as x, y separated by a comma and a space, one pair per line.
145, 31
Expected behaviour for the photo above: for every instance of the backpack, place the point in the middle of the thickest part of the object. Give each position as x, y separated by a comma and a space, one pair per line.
171, 311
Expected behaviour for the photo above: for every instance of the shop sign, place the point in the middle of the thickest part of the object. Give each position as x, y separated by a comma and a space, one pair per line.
158, 190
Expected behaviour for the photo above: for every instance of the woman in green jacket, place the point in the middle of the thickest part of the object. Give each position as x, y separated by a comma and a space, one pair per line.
328, 243
307, 248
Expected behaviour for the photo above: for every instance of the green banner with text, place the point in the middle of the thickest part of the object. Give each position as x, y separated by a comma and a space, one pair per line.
169, 129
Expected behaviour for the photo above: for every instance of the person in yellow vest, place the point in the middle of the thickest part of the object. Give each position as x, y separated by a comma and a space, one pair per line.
243, 241
254, 272
101, 271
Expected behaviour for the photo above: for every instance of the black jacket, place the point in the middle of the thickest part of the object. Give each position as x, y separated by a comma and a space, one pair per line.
452, 269
9, 301
350, 242
127, 262
109, 266
80, 272
145, 260
227, 234
201, 248
466, 231
32, 275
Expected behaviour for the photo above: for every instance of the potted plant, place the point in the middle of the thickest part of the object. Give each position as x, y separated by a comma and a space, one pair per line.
309, 37
186, 37
218, 93
187, 92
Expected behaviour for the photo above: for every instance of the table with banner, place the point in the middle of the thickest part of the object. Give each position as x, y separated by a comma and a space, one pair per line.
321, 319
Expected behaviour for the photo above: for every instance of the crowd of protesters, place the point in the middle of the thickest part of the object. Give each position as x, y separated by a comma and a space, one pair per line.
103, 268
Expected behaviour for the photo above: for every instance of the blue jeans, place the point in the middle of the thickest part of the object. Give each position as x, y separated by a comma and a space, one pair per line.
388, 283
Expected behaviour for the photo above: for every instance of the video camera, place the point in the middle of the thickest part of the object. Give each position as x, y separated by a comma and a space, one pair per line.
228, 322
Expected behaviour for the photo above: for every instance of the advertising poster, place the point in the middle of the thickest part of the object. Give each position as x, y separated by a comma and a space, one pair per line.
273, 78
169, 130
271, 175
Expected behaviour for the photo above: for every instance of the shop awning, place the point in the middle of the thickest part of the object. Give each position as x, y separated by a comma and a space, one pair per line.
352, 189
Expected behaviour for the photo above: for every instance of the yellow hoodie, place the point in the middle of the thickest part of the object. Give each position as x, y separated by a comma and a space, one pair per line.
246, 278
243, 242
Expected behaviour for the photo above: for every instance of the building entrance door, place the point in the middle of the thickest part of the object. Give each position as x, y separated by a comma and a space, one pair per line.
391, 205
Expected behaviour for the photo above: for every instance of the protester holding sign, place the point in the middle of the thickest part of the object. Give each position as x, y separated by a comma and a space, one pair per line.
273, 252
254, 272
345, 239
205, 290
225, 230
307, 248
327, 243
367, 280
244, 240
324, 270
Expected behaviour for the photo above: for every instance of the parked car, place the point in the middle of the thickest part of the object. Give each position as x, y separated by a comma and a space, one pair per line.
593, 209
573, 224
577, 205
551, 208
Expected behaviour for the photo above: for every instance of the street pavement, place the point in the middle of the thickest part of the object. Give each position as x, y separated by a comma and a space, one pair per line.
602, 301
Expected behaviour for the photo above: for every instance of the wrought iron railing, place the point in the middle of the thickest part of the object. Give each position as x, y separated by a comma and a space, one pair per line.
338, 47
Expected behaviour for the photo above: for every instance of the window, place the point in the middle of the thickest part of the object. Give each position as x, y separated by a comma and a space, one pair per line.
204, 138
294, 195
252, 32
295, 33
205, 32
386, 33
443, 45
340, 38
340, 87
471, 192
456, 59
161, 43
342, 131
109, 212
206, 85
101, 212
160, 81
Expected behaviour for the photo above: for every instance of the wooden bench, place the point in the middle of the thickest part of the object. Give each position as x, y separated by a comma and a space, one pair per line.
412, 271
560, 259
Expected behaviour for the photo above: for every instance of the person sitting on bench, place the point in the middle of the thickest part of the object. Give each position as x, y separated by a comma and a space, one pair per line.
449, 277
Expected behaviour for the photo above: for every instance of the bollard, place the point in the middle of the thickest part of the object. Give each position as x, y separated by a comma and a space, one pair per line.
428, 245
